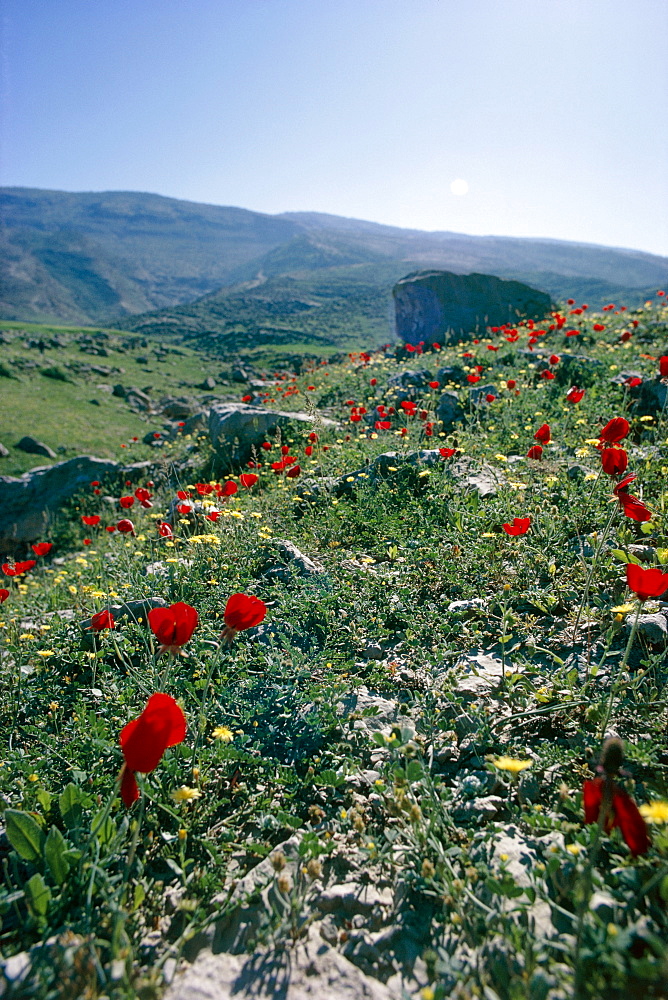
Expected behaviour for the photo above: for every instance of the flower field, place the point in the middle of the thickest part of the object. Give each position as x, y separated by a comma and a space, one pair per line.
413, 651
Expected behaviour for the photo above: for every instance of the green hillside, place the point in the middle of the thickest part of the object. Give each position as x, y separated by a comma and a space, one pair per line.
98, 258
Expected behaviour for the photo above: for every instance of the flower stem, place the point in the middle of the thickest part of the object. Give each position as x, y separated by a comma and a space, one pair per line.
215, 661
620, 671
585, 596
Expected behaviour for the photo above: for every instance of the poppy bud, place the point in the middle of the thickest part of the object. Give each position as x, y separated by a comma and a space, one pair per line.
612, 755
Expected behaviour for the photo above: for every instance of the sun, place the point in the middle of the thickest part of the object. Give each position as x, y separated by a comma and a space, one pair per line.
459, 186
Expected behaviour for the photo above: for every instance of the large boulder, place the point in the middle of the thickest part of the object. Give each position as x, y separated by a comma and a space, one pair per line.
236, 429
28, 502
441, 307
652, 398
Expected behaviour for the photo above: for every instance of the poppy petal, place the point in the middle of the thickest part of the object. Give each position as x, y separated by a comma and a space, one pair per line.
129, 787
630, 822
593, 796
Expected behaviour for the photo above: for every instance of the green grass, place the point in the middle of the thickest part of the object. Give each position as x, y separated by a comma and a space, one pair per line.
395, 557
61, 414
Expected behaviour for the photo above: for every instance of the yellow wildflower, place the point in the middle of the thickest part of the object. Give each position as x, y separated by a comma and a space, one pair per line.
185, 794
511, 764
655, 812
223, 734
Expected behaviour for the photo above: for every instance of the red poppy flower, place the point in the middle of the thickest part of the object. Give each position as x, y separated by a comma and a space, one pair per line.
535, 452
173, 626
622, 812
574, 395
242, 612
511, 383
633, 507
308, 450
633, 381
490, 397
42, 548
102, 620
473, 378
126, 502
18, 568
229, 489
373, 381
663, 366
614, 461
625, 336
547, 374
615, 430
570, 302
246, 399
165, 530
143, 741
554, 359
142, 494
248, 479
91, 519
520, 526
125, 526
4, 594
543, 435
434, 385
447, 452
383, 425
646, 582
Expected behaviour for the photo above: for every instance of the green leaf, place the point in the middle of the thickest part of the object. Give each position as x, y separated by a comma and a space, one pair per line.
329, 778
140, 895
378, 738
38, 895
44, 798
106, 830
621, 555
662, 556
663, 888
287, 819
55, 848
70, 806
24, 834
414, 771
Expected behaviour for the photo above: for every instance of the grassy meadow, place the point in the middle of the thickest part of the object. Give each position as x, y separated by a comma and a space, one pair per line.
422, 710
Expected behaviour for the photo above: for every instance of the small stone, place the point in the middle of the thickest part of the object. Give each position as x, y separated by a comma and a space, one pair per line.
34, 447
652, 628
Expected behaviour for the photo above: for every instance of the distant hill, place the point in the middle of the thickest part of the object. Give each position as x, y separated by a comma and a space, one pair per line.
101, 258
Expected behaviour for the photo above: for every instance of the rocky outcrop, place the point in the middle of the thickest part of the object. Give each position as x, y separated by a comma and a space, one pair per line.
236, 429
28, 502
441, 307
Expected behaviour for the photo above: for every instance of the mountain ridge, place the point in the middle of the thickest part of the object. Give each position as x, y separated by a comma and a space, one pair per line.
105, 257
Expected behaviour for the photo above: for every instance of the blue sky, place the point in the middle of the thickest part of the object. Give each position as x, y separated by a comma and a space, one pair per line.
554, 112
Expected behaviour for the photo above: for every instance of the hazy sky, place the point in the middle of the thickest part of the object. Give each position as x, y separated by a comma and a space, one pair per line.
552, 112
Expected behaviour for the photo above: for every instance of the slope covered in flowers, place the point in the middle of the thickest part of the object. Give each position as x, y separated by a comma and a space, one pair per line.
487, 581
